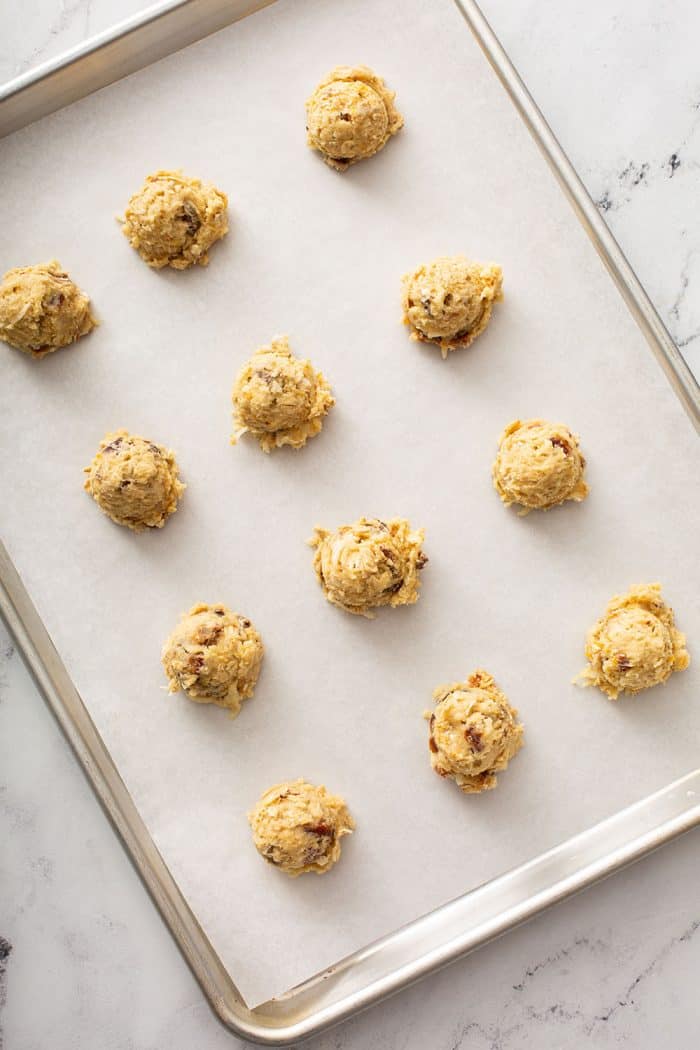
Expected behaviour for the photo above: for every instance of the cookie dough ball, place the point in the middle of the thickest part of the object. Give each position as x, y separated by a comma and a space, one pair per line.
279, 398
368, 564
298, 827
214, 656
449, 301
474, 732
134, 481
174, 220
635, 644
351, 116
539, 465
41, 309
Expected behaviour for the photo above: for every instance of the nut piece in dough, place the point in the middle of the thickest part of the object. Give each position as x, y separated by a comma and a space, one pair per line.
539, 465
635, 644
279, 398
351, 116
174, 220
449, 301
298, 827
41, 309
134, 481
214, 656
369, 563
474, 732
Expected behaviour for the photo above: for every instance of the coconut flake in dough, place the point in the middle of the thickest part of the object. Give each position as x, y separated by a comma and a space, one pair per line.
298, 827
449, 301
214, 656
351, 116
42, 310
279, 398
369, 564
474, 732
635, 644
539, 465
174, 220
134, 481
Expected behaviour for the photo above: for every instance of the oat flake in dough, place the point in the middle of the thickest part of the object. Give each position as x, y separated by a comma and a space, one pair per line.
298, 827
174, 220
369, 564
214, 656
635, 644
134, 481
279, 398
539, 465
474, 732
42, 310
351, 116
449, 301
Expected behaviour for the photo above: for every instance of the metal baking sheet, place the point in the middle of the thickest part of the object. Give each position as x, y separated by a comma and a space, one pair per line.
319, 256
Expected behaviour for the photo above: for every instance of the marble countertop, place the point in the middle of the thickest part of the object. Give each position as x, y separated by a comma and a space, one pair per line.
84, 959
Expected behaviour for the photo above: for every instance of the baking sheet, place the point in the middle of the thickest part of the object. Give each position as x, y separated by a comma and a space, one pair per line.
319, 256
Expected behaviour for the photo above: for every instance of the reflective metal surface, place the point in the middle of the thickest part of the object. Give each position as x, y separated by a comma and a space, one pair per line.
395, 961
136, 42
664, 349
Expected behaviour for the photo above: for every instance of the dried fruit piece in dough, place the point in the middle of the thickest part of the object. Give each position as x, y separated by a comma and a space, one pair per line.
635, 644
214, 656
134, 481
174, 220
42, 310
474, 732
449, 301
369, 564
351, 116
298, 827
279, 398
539, 465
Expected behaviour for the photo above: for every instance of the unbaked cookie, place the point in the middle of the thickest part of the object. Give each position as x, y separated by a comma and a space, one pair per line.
134, 481
279, 398
635, 644
298, 827
41, 309
174, 220
214, 656
539, 465
449, 301
351, 116
474, 732
368, 564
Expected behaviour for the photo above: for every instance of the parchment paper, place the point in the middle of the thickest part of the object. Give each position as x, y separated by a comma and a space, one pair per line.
319, 256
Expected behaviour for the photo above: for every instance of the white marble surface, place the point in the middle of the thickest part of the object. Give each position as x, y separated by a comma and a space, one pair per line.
90, 964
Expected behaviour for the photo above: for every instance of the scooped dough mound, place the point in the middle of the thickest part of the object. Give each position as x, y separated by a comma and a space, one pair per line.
539, 465
41, 309
369, 563
214, 656
134, 481
449, 301
351, 116
474, 732
298, 827
635, 644
279, 398
174, 220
